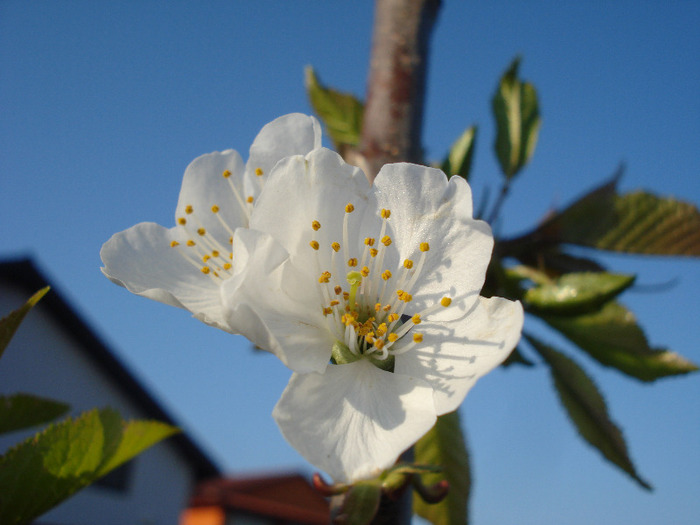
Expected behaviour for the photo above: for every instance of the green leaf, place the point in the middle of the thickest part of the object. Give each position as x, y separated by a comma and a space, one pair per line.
46, 469
459, 159
21, 411
340, 112
586, 408
612, 336
361, 503
10, 323
636, 222
518, 121
577, 293
445, 446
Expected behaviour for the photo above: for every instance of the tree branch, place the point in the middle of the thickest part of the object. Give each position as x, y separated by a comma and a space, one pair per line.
393, 118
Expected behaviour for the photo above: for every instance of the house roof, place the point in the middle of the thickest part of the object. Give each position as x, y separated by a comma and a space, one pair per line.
24, 275
282, 497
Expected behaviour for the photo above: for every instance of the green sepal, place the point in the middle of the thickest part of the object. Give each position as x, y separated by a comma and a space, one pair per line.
342, 355
586, 408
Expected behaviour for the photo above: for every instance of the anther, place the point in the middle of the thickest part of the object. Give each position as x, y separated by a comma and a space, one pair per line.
215, 253
226, 174
249, 199
335, 246
369, 241
392, 337
205, 269
417, 338
349, 208
408, 264
191, 243
386, 275
364, 271
338, 290
182, 221
445, 301
385, 213
314, 245
386, 240
227, 266
215, 209
174, 243
325, 277
424, 247
201, 231
316, 225
189, 209
373, 252
258, 171
416, 319
393, 317
352, 262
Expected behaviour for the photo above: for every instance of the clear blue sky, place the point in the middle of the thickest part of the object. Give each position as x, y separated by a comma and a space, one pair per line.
105, 104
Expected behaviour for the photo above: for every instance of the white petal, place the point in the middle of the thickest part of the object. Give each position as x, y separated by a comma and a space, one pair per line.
354, 420
293, 134
455, 353
426, 207
302, 190
259, 304
142, 260
203, 186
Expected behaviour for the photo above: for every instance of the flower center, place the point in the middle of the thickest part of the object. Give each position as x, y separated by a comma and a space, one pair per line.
211, 255
369, 311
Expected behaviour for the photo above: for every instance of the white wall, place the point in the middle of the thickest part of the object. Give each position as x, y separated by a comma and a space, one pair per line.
43, 360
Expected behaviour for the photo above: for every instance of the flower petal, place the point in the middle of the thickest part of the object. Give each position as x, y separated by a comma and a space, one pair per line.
142, 260
354, 420
455, 353
203, 186
426, 207
293, 134
264, 303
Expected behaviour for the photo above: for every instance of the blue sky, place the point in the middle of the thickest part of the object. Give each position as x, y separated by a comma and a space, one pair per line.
104, 105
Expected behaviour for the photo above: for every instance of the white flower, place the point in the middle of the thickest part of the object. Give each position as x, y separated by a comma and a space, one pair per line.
185, 266
370, 294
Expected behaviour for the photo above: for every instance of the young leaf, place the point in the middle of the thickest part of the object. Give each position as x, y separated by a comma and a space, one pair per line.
340, 112
586, 408
21, 411
459, 159
636, 222
10, 323
577, 293
612, 336
445, 446
46, 469
518, 121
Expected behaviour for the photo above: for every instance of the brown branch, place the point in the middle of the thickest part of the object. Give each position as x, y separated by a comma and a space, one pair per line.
393, 118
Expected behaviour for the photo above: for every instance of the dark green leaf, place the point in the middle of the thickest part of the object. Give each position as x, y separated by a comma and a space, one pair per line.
21, 411
46, 469
10, 323
445, 446
576, 293
518, 121
635, 222
587, 409
613, 337
459, 159
340, 112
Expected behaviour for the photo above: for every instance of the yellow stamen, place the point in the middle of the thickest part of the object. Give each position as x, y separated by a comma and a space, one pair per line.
338, 290
417, 338
227, 266
201, 231
215, 209
445, 301
226, 174
249, 199
205, 269
189, 209
373, 252
316, 225
424, 247
352, 262
385, 213
215, 253
191, 243
327, 311
314, 245
174, 243
182, 221
369, 241
416, 319
325, 277
408, 264
393, 317
335, 246
386, 240
335, 302
349, 208
364, 271
258, 171
392, 337
386, 275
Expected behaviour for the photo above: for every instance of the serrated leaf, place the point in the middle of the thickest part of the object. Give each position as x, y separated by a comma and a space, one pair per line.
445, 446
340, 112
46, 469
587, 409
10, 323
636, 222
612, 336
517, 115
459, 158
576, 293
20, 411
